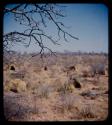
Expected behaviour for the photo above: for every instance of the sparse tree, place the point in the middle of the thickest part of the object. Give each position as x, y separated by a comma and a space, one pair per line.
23, 14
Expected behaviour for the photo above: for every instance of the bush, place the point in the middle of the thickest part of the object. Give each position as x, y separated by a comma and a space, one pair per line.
98, 69
101, 69
15, 85
87, 112
66, 88
44, 90
67, 102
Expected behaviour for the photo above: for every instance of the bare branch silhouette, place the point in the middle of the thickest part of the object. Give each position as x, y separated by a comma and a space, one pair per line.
23, 14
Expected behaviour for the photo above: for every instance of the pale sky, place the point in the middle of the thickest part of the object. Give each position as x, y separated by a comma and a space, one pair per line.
88, 22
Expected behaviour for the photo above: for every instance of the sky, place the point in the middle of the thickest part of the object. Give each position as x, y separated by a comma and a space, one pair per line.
88, 22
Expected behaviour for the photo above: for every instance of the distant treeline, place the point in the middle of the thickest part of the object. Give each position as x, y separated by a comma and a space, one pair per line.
58, 53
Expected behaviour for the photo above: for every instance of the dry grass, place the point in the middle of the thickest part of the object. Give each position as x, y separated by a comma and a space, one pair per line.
51, 86
15, 85
67, 102
44, 91
87, 111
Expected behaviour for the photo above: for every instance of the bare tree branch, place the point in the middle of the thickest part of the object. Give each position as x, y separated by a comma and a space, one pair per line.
24, 15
